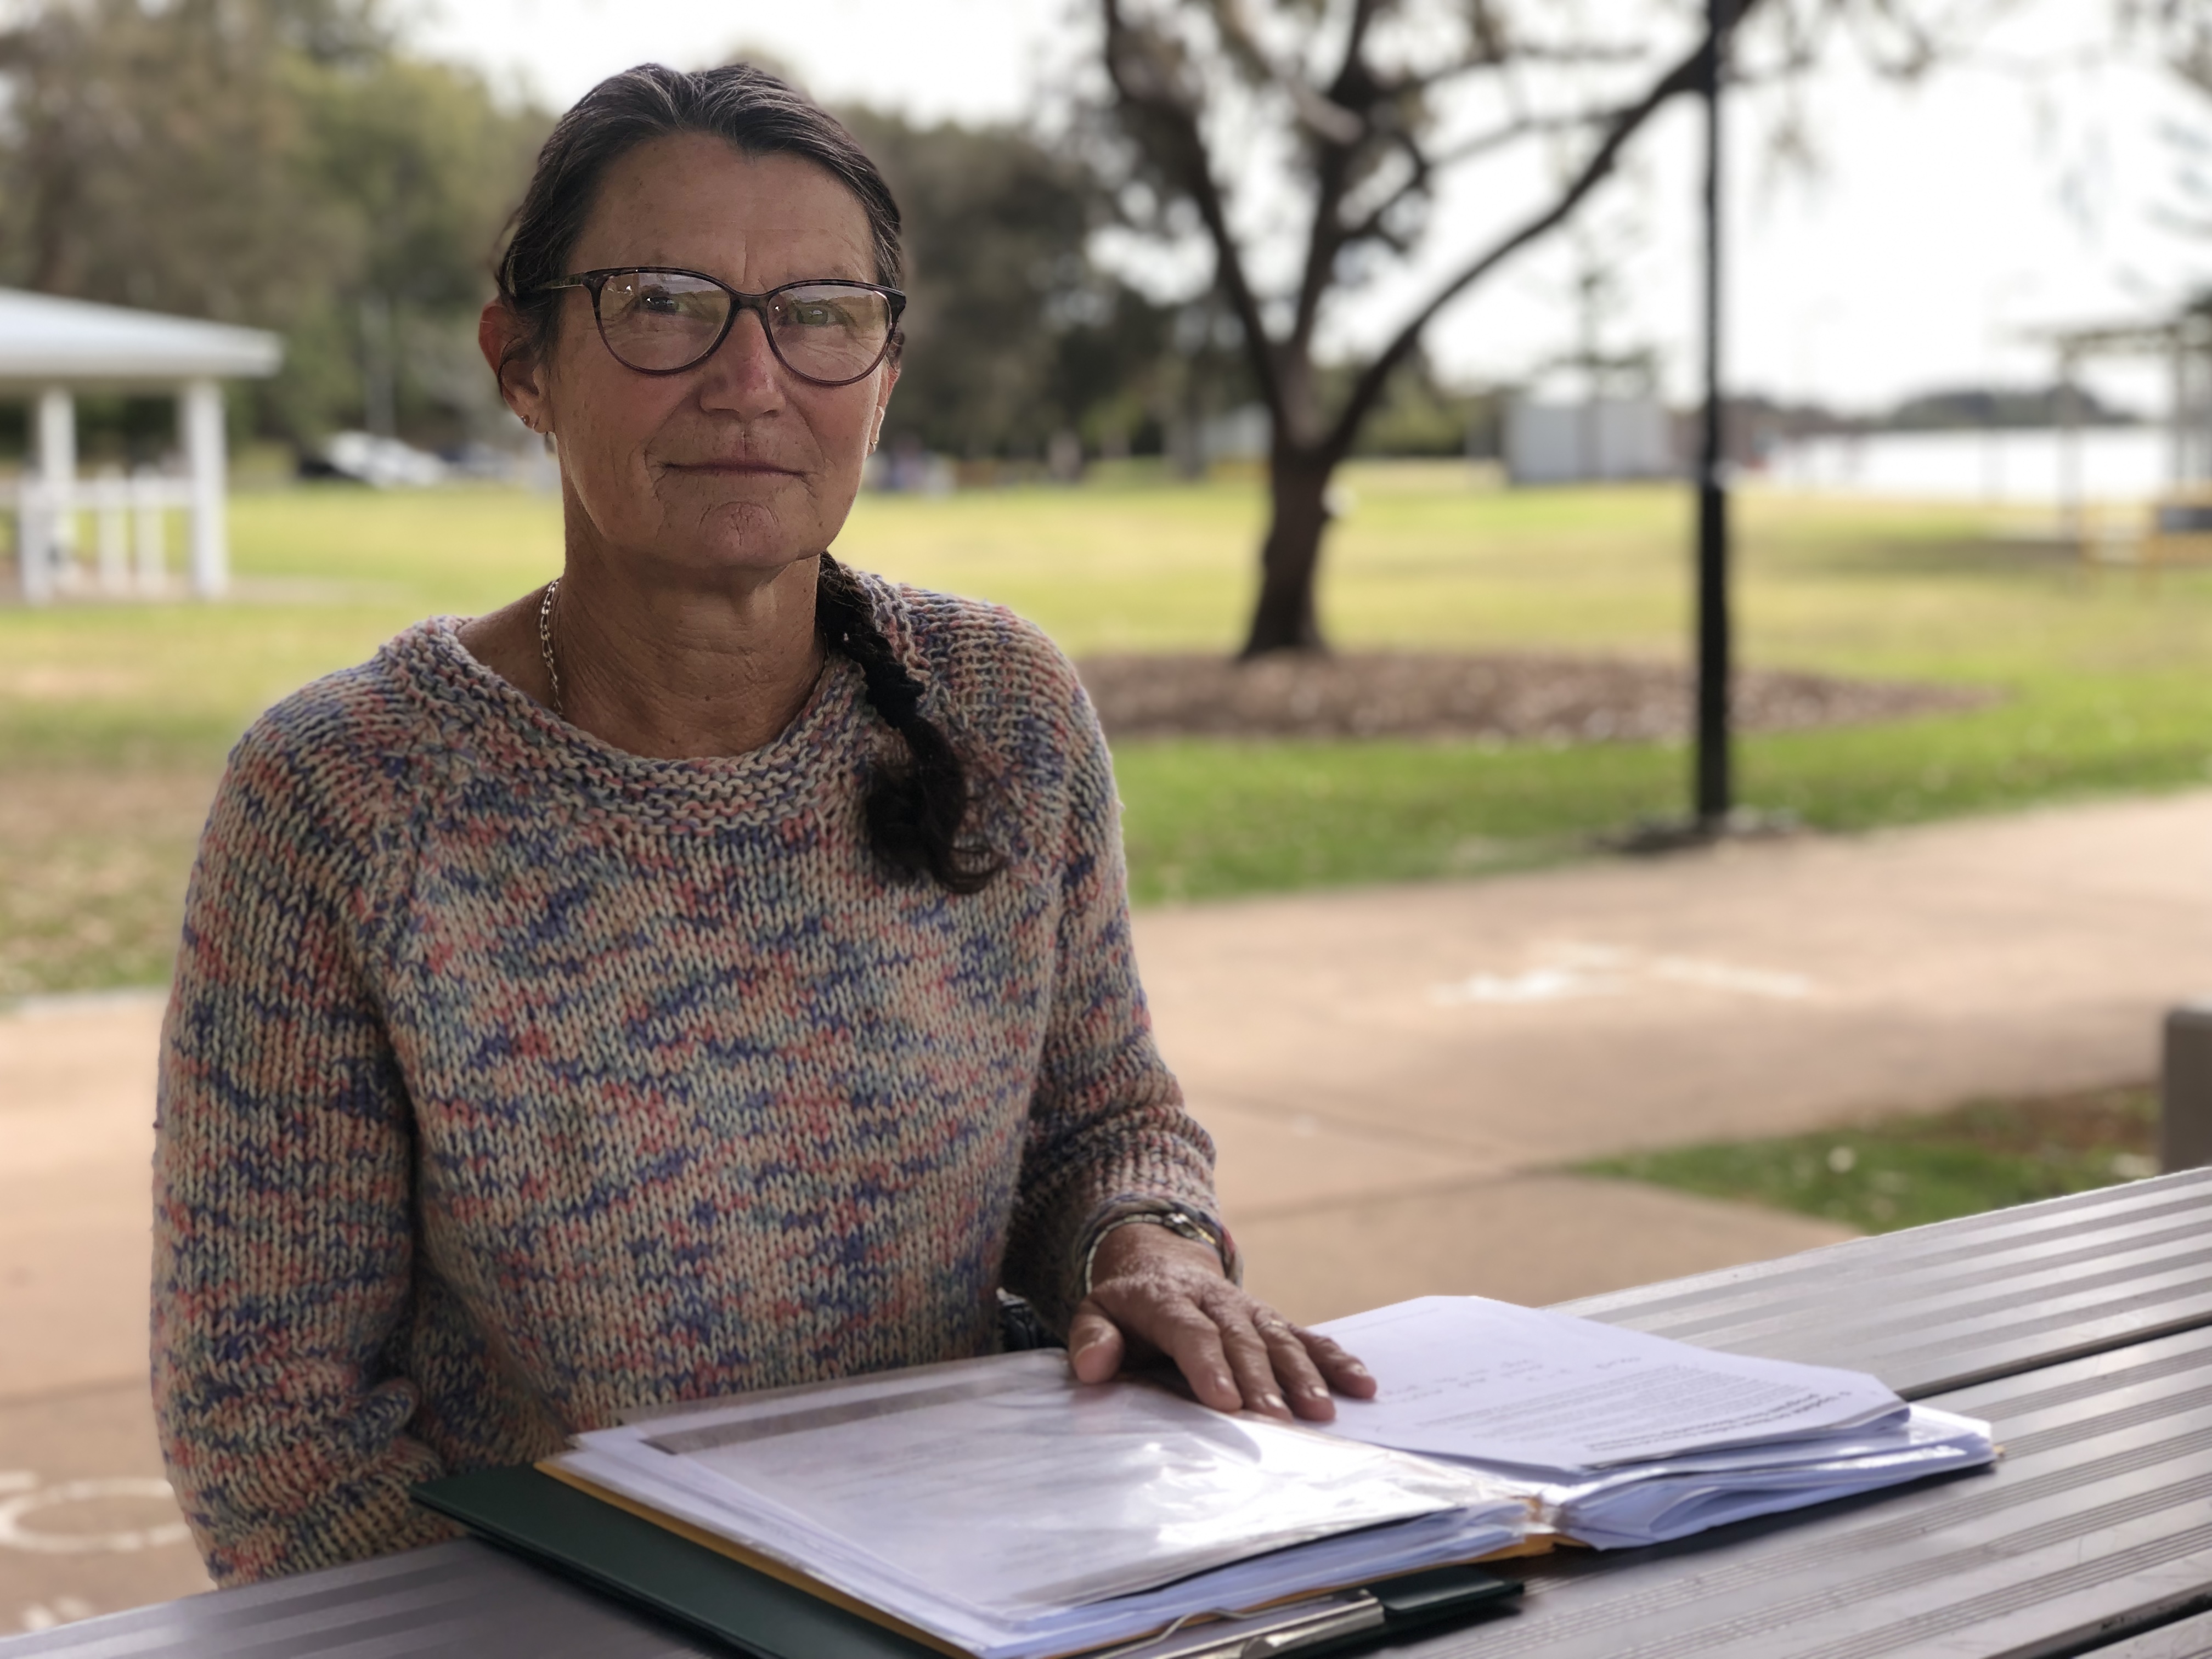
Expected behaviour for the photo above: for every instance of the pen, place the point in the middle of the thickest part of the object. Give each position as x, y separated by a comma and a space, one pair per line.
1300, 1628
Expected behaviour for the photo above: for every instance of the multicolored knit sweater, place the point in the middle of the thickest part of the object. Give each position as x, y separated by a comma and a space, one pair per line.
511, 1080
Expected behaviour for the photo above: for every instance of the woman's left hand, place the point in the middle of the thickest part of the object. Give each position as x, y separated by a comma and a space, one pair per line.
1155, 1293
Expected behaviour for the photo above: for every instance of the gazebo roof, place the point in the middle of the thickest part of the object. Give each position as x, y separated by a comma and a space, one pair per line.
46, 341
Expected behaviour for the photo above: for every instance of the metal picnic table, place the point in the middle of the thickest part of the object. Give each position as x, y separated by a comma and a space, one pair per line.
2081, 1328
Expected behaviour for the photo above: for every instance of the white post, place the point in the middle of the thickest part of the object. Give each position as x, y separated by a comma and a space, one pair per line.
46, 555
111, 514
2178, 419
2073, 517
152, 556
33, 558
199, 412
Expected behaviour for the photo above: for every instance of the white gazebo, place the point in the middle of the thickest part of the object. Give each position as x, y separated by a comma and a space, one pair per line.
49, 350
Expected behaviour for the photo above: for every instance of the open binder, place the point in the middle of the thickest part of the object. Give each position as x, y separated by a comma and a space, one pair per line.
765, 1611
995, 1508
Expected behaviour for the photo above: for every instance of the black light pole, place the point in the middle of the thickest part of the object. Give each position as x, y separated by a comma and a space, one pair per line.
1715, 788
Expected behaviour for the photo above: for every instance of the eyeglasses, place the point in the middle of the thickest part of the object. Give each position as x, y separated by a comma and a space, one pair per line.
658, 321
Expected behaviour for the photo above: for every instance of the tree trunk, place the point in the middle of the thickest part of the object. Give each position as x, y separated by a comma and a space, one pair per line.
1285, 619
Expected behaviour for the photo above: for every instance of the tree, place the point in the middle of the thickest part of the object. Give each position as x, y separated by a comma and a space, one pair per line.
1357, 109
422, 168
146, 155
270, 162
1012, 331
2183, 29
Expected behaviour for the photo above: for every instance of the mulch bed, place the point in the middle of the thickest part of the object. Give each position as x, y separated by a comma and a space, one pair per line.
1502, 697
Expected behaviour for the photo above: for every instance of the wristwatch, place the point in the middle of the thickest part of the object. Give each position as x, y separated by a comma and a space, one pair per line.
1180, 1222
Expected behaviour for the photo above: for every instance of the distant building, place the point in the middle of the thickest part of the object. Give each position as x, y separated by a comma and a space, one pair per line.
49, 350
1603, 440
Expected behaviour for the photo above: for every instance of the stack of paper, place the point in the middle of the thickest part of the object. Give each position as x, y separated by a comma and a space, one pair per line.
1621, 1437
998, 1506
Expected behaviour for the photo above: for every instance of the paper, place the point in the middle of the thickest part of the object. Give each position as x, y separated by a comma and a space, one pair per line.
1014, 1512
1038, 1497
1621, 1438
1463, 1376
1646, 1504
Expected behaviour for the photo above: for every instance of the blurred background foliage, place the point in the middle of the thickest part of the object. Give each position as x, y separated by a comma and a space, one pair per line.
280, 163
1012, 330
296, 165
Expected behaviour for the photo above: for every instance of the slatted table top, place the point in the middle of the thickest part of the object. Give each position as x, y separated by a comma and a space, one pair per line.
2096, 1524
459, 1601
1939, 1307
2186, 1639
2081, 1328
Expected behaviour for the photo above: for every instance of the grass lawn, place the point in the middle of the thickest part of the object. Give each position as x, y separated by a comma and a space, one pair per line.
114, 718
1906, 1171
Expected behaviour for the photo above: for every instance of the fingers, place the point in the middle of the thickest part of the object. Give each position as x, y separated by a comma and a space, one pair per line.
1236, 1353
1345, 1374
1189, 1336
1095, 1348
1252, 1357
1302, 1381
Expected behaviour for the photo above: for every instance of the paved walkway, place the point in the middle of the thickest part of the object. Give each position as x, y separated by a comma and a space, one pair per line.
1394, 1078
1390, 1066
76, 1141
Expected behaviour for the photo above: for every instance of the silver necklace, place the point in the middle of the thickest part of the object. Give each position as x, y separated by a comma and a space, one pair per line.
545, 642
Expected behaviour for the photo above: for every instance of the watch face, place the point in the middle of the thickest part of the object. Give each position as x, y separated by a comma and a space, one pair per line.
1187, 1226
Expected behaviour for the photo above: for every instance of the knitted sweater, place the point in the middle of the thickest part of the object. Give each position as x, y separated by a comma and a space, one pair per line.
511, 1080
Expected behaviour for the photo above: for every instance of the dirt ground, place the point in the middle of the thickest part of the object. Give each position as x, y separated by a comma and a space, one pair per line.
92, 872
1506, 698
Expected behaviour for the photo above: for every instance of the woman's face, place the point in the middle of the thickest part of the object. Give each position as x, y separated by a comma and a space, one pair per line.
736, 462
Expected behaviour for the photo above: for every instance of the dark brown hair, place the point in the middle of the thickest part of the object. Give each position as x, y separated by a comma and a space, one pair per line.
916, 812
747, 107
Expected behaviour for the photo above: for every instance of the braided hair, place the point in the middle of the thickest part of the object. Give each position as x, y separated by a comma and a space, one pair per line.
917, 812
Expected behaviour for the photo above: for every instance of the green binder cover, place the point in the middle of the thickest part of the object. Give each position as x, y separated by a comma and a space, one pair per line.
648, 1566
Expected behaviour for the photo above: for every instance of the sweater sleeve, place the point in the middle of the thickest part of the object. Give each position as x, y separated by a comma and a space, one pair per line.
283, 1221
1108, 1132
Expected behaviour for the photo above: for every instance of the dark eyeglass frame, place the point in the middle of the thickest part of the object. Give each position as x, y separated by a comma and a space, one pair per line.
595, 282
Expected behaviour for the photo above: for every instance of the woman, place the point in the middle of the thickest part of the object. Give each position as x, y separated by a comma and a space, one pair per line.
711, 972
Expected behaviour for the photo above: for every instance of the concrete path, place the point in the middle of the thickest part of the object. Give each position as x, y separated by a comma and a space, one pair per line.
1393, 1077
86, 1522
1384, 1069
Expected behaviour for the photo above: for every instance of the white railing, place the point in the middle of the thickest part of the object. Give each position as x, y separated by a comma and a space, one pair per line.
127, 553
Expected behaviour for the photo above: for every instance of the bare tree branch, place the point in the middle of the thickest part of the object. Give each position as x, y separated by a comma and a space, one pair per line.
1373, 224
1354, 92
1147, 87
1525, 126
1484, 58
1325, 119
1684, 78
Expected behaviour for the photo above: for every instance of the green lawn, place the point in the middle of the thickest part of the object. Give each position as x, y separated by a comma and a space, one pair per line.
112, 717
1907, 1171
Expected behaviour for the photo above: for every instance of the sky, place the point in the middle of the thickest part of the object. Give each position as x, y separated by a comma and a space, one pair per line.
1943, 226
